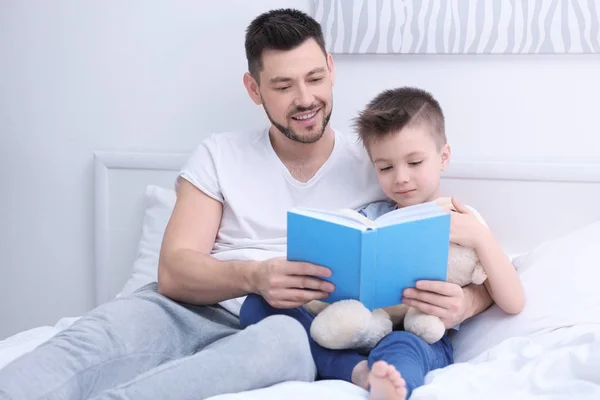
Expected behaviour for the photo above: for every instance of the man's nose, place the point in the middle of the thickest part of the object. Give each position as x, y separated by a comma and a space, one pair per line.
304, 97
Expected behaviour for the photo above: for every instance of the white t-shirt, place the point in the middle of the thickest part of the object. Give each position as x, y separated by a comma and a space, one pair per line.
242, 171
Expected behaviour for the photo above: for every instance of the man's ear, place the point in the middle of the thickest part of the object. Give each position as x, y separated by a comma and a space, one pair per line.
331, 68
252, 88
445, 153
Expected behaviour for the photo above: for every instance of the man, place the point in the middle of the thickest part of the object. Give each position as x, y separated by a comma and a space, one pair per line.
180, 338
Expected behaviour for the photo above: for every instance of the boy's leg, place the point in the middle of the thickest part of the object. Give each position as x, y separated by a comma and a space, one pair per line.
331, 364
412, 356
272, 351
113, 344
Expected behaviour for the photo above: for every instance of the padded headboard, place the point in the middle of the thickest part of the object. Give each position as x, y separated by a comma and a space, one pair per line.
120, 185
524, 203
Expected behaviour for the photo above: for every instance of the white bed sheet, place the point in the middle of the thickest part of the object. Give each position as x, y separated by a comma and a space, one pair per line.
562, 364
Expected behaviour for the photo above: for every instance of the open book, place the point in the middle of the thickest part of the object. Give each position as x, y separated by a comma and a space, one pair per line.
372, 261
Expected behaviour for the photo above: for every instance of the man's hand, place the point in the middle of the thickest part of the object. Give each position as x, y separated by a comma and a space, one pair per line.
285, 284
446, 301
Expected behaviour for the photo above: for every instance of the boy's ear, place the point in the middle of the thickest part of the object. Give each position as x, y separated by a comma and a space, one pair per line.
445, 153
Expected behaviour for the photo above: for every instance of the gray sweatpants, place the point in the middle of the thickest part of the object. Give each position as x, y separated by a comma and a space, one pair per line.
146, 346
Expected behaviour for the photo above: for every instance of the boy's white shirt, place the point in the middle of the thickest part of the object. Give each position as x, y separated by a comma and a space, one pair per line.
242, 171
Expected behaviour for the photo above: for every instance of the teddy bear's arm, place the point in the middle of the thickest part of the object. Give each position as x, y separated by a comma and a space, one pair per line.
396, 313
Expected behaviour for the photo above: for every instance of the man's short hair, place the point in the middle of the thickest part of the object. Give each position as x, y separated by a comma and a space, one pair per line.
394, 109
281, 29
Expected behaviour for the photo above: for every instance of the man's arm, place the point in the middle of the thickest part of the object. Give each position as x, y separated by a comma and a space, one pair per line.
188, 273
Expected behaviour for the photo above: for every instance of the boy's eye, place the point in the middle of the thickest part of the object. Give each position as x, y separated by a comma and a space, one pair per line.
385, 168
415, 163
315, 80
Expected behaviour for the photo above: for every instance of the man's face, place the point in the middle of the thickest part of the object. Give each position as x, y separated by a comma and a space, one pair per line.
296, 91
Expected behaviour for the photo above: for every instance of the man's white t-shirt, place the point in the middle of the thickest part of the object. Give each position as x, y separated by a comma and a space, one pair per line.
242, 171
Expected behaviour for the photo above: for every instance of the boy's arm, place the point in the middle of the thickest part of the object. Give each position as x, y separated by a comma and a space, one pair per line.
503, 282
453, 304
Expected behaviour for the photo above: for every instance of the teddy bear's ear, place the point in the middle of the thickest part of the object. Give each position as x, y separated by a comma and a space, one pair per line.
479, 276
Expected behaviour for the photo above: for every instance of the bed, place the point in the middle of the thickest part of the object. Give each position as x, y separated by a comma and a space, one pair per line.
545, 215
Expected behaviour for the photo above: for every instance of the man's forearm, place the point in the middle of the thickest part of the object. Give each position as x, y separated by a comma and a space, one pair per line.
477, 299
197, 278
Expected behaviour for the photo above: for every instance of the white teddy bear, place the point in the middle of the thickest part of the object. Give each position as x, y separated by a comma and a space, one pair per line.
348, 324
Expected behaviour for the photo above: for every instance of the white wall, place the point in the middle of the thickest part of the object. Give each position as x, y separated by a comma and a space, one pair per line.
78, 76
534, 108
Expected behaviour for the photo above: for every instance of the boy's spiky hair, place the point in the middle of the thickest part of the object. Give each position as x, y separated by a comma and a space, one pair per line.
394, 109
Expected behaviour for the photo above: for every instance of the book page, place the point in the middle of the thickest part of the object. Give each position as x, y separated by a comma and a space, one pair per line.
346, 217
358, 217
411, 213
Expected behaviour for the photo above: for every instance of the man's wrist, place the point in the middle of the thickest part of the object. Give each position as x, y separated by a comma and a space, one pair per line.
250, 276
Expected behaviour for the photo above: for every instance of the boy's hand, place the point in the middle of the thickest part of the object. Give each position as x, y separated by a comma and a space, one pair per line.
465, 229
444, 300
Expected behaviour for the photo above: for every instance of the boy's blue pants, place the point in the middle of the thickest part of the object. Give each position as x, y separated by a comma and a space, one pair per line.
411, 355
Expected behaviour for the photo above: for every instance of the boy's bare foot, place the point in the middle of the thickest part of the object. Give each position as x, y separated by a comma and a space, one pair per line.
386, 382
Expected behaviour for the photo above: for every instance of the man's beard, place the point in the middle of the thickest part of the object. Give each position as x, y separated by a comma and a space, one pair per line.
290, 134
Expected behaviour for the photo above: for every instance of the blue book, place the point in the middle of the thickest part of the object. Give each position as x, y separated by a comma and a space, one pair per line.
372, 261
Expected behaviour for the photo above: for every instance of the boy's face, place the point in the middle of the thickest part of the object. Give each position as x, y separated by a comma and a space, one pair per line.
409, 165
295, 90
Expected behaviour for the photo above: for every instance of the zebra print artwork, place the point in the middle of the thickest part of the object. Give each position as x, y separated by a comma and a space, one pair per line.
460, 26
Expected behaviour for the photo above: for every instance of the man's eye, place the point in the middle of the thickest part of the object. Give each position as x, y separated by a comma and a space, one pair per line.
281, 89
415, 163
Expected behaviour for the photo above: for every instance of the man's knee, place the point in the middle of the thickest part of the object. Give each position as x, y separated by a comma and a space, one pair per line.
285, 331
291, 341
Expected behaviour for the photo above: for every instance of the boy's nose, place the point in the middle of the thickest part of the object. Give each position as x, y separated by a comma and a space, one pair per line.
402, 176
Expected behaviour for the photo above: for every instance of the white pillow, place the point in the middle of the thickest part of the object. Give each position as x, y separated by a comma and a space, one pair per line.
159, 206
561, 279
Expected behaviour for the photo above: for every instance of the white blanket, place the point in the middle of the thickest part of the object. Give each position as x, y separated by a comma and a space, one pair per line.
563, 364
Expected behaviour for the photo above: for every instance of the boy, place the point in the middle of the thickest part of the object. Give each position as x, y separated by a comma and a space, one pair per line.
403, 132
